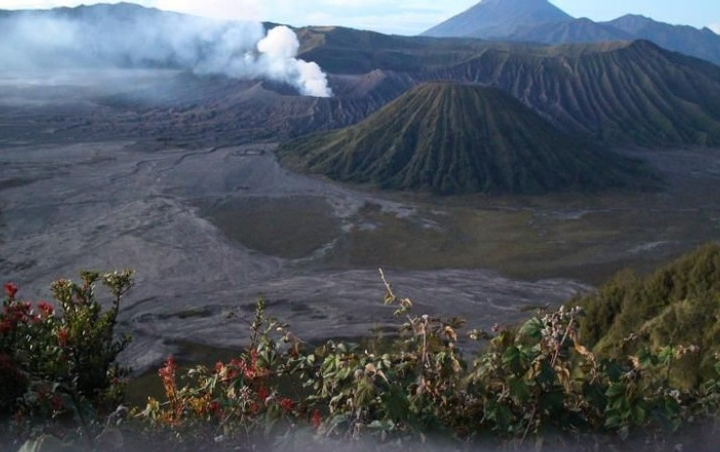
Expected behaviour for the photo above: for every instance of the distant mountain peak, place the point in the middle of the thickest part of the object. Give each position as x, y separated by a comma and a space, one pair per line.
515, 2
632, 21
635, 17
499, 19
542, 22
109, 7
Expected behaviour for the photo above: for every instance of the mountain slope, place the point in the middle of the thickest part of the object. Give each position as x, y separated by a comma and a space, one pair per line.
617, 92
342, 50
219, 110
573, 31
540, 21
455, 138
703, 43
676, 306
620, 93
498, 18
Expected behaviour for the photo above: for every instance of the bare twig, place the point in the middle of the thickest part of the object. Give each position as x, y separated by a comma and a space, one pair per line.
388, 287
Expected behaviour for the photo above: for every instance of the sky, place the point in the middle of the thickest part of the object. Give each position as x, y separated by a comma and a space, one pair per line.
406, 17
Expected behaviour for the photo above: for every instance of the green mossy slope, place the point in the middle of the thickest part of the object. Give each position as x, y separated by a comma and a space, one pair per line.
633, 93
678, 306
457, 138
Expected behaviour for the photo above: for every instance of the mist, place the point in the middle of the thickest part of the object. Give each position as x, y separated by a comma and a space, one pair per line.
129, 36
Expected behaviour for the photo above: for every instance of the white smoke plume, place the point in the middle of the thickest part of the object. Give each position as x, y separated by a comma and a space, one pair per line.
130, 36
278, 52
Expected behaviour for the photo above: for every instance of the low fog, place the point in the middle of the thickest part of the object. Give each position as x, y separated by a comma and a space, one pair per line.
129, 36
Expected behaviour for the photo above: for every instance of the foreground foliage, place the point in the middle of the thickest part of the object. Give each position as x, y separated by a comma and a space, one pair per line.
536, 386
674, 309
58, 362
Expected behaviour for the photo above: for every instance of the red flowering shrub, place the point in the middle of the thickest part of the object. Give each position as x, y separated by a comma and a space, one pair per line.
233, 403
316, 419
533, 384
58, 366
530, 384
10, 290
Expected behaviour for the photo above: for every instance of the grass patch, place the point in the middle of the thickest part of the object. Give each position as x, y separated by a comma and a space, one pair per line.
570, 237
289, 228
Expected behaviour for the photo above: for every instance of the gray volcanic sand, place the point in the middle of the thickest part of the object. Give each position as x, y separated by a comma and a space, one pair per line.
209, 229
109, 206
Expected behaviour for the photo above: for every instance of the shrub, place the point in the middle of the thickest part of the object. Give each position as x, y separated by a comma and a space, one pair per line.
58, 362
676, 306
235, 403
529, 385
535, 384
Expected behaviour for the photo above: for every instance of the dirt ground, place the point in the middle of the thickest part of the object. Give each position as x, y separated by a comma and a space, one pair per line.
107, 206
209, 228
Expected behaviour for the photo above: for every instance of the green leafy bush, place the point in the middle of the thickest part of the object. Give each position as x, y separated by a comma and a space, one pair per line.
235, 403
536, 384
677, 306
58, 368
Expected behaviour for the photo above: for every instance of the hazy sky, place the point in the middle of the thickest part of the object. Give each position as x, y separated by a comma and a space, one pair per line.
403, 16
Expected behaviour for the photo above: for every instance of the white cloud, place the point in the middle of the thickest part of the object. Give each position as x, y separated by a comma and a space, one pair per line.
400, 23
399, 16
47, 4
239, 49
216, 9
715, 28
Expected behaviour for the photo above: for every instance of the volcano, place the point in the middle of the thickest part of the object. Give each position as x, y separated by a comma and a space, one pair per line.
499, 18
450, 138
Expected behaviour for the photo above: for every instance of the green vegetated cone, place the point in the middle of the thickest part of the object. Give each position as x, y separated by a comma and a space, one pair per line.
450, 138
